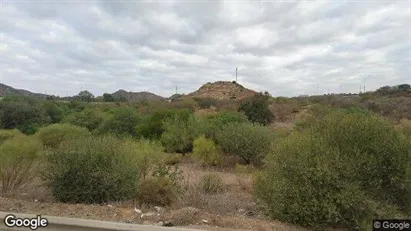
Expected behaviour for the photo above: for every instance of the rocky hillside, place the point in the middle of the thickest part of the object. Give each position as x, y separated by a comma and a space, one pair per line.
137, 96
222, 90
10, 91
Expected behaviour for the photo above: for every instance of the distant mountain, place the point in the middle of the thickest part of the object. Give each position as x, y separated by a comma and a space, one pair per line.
10, 91
222, 90
137, 96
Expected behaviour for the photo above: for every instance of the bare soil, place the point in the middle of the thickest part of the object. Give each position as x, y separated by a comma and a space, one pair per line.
233, 209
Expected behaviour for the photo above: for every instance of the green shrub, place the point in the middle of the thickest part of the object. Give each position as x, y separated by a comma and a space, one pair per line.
156, 191
147, 155
211, 125
92, 170
206, 151
152, 126
54, 111
257, 110
8, 134
179, 134
18, 157
211, 183
251, 142
123, 123
51, 136
88, 118
342, 170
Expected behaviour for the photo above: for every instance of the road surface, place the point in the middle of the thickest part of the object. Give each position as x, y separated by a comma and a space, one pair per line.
71, 224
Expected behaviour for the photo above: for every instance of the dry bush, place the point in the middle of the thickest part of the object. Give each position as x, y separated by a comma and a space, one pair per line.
284, 111
19, 158
172, 158
156, 191
211, 183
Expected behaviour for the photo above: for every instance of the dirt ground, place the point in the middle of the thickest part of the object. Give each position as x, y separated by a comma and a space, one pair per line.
233, 209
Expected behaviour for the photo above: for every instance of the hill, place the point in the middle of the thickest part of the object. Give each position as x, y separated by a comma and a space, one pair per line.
137, 96
10, 91
222, 90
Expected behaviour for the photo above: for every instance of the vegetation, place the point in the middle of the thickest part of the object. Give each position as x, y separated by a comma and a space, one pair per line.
92, 170
332, 161
345, 169
51, 136
179, 133
18, 154
211, 183
251, 142
206, 151
256, 109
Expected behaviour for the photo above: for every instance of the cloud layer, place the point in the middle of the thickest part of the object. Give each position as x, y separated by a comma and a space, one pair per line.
287, 48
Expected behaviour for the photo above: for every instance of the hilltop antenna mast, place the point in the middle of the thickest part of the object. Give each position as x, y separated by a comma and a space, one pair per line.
176, 90
236, 75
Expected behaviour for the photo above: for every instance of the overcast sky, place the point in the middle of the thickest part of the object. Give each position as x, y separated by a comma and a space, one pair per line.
287, 48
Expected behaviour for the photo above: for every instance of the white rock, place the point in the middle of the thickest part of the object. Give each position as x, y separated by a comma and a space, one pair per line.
147, 215
138, 211
157, 208
160, 223
110, 206
205, 221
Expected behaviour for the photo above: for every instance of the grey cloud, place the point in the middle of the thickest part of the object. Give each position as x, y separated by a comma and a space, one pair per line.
286, 48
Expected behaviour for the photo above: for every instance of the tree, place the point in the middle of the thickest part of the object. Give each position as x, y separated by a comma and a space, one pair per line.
256, 109
85, 96
108, 97
404, 87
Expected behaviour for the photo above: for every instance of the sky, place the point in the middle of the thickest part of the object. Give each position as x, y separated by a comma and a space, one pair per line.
287, 48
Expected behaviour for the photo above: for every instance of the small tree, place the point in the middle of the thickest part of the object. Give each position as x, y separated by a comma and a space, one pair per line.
404, 87
85, 96
256, 109
108, 97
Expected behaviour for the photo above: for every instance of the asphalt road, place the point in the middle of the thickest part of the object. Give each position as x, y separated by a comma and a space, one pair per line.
71, 224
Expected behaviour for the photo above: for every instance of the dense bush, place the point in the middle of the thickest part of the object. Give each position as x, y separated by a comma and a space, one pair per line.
151, 127
179, 134
22, 113
122, 122
88, 118
92, 170
52, 135
257, 110
18, 155
211, 183
345, 169
211, 125
251, 142
206, 151
54, 111
8, 134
